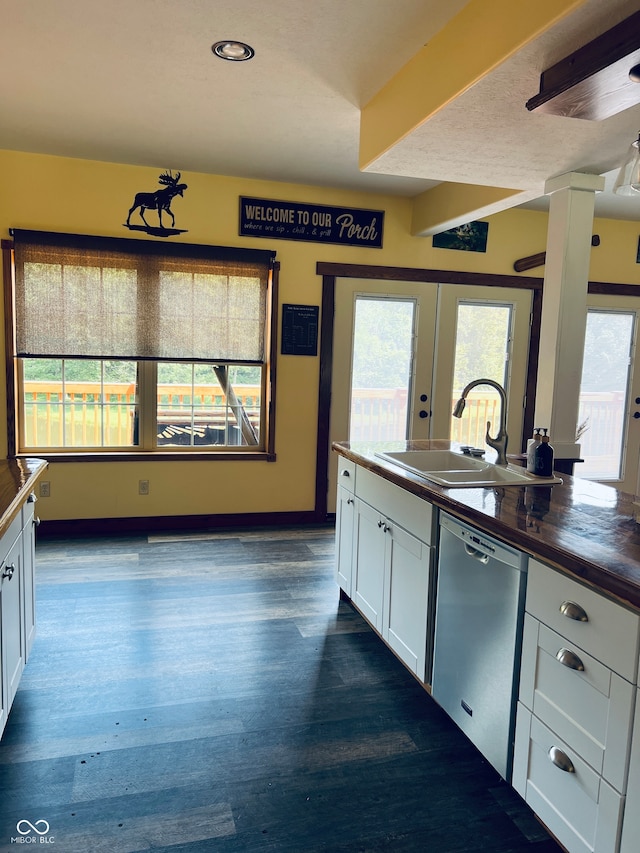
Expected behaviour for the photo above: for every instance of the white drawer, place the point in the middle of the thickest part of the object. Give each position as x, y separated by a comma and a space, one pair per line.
579, 807
346, 474
408, 510
610, 633
590, 709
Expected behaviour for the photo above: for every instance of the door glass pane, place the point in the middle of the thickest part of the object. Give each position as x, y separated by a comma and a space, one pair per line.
606, 373
382, 367
483, 340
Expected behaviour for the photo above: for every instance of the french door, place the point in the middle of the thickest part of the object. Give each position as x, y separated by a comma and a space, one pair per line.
402, 348
609, 413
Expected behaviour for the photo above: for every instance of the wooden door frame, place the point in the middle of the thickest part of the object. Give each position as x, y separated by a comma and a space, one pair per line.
331, 271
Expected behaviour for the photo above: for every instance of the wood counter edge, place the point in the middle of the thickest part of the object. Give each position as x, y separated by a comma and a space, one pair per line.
15, 494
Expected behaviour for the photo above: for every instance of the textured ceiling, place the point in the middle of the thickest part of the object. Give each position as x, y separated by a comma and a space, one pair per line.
136, 82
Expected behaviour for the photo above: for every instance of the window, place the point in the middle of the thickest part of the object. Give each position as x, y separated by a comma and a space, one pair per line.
134, 346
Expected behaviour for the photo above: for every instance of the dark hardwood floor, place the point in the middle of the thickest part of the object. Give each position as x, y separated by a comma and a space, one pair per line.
211, 693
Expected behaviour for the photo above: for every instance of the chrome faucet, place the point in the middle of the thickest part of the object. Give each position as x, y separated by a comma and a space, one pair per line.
499, 443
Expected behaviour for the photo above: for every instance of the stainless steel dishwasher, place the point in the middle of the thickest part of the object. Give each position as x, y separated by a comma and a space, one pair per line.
478, 637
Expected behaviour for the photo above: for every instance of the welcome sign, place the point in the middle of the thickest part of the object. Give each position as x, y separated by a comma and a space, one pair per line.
315, 223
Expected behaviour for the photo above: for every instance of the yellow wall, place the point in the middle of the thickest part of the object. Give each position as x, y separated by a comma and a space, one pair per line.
84, 197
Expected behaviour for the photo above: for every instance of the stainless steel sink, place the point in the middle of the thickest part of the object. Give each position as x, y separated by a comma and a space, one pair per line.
455, 470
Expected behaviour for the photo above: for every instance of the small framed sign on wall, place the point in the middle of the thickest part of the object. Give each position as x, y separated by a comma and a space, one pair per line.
300, 329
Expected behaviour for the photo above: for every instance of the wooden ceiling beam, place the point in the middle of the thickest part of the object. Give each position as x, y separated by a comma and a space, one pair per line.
593, 82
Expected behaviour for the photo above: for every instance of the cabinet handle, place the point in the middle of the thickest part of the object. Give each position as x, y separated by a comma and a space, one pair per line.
345, 473
380, 523
349, 501
32, 498
569, 659
8, 571
561, 760
386, 528
573, 611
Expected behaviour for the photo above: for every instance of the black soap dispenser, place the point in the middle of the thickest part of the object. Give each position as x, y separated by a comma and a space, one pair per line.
543, 457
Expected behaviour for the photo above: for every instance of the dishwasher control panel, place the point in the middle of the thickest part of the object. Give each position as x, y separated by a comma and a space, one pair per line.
480, 542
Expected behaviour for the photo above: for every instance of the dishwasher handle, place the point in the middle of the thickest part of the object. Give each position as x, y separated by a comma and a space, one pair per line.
477, 555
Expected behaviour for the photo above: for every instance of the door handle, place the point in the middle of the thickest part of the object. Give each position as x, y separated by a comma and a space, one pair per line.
477, 555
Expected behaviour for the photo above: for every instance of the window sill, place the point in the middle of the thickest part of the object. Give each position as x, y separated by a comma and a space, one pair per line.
152, 456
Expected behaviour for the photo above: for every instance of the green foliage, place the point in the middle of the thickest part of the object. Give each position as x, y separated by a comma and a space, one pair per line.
382, 343
607, 351
482, 340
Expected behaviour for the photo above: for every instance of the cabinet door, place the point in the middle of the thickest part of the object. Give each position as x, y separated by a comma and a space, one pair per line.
345, 516
631, 824
406, 599
369, 563
576, 804
28, 567
11, 590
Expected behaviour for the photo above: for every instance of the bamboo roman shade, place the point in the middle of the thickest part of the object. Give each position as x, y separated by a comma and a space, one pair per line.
97, 297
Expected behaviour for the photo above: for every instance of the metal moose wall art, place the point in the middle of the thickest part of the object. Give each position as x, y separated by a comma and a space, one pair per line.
160, 200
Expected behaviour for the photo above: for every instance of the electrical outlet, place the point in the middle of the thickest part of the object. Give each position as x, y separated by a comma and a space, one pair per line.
45, 489
143, 487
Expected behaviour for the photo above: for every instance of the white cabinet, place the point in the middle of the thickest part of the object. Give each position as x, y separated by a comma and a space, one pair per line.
407, 612
29, 522
17, 604
390, 576
575, 711
345, 516
631, 824
369, 560
12, 603
12, 644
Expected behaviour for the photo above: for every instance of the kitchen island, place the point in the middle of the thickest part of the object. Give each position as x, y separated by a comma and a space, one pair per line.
575, 739
580, 527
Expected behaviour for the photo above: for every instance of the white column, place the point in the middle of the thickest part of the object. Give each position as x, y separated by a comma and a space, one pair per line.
564, 307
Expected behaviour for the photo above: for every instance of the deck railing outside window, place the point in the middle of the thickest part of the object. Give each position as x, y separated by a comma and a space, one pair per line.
104, 416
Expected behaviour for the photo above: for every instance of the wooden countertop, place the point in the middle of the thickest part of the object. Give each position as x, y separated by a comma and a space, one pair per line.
581, 527
17, 480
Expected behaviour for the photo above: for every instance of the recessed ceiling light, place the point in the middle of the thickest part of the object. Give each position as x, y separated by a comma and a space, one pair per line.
235, 51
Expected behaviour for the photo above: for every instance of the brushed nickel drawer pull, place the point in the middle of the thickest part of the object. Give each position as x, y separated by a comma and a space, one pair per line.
8, 572
569, 659
573, 611
561, 760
